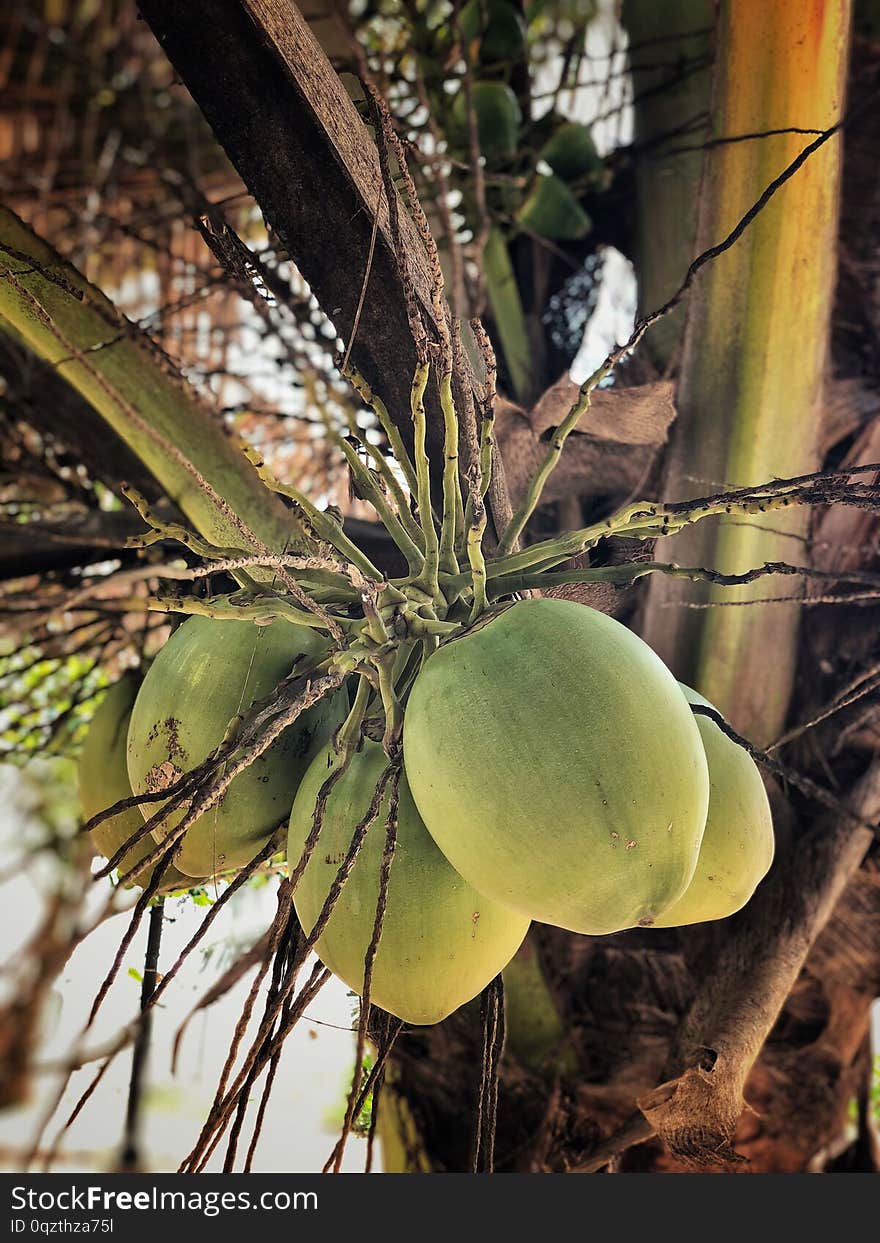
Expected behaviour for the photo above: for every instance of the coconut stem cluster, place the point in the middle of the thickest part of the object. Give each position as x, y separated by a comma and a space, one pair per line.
374, 638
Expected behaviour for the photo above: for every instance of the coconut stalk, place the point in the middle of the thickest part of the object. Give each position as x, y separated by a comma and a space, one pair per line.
755, 348
671, 95
507, 312
74, 327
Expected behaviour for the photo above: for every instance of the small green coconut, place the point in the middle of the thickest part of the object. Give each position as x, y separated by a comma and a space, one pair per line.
498, 120
738, 844
552, 211
493, 31
571, 152
441, 943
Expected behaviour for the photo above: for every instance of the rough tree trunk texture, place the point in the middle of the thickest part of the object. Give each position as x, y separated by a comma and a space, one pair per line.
286, 122
71, 325
671, 92
756, 345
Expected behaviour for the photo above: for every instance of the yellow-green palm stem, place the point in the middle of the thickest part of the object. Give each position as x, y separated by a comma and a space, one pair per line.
393, 516
532, 499
487, 441
370, 491
749, 398
475, 533
617, 575
392, 483
70, 324
235, 561
427, 627
259, 612
453, 511
644, 520
322, 524
395, 440
428, 578
508, 314
391, 704
349, 734
162, 530
309, 571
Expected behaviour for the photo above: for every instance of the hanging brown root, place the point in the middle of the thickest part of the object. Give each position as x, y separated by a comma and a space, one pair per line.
288, 946
281, 928
492, 1020
259, 953
334, 1161
290, 698
52, 1151
392, 1028
137, 915
129, 1157
132, 1032
265, 1044
261, 1112
250, 743
316, 981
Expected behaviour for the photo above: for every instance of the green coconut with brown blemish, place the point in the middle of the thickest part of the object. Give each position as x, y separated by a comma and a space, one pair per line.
442, 942
558, 766
738, 845
208, 673
102, 777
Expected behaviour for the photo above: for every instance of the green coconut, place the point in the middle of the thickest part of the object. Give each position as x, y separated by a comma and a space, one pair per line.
571, 152
442, 942
552, 211
498, 120
557, 765
208, 672
492, 30
737, 847
103, 780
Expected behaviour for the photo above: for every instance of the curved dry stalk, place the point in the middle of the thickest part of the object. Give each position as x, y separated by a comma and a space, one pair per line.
265, 1045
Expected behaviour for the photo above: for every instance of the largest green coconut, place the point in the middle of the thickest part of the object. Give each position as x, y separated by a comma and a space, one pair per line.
557, 764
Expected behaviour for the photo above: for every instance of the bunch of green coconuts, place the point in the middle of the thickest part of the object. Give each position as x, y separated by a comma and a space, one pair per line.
556, 157
552, 770
536, 760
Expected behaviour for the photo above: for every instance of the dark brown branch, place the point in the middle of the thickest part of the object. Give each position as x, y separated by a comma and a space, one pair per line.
696, 1110
129, 1161
278, 108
